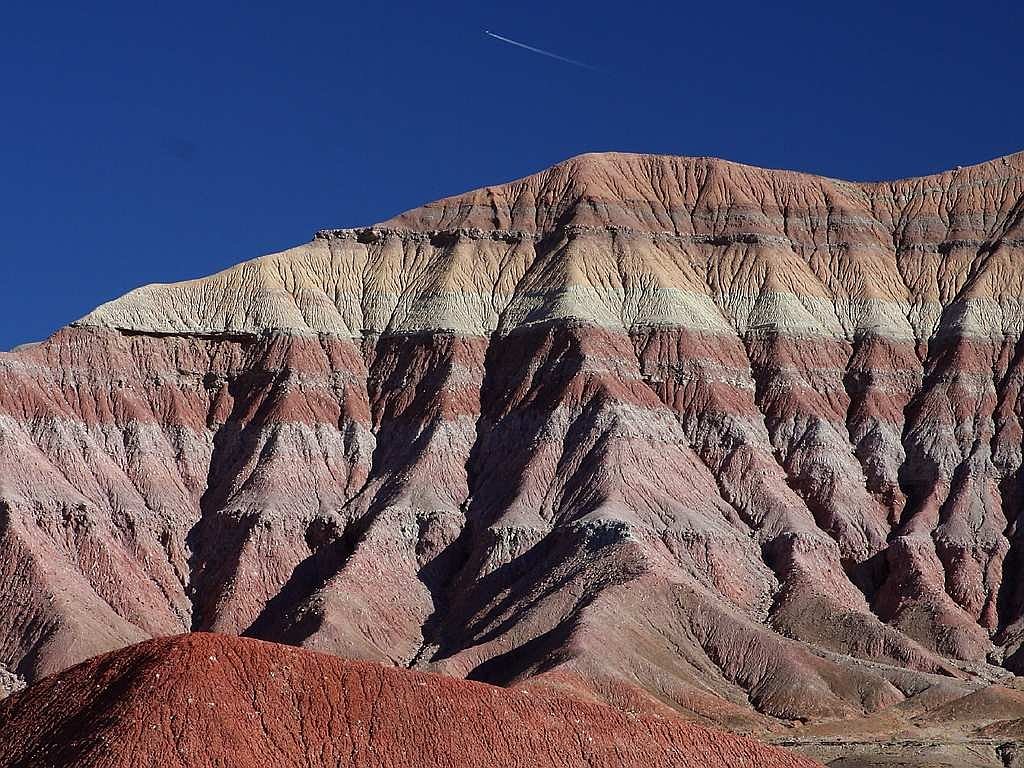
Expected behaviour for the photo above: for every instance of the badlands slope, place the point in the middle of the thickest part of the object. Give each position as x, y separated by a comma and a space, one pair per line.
673, 433
200, 701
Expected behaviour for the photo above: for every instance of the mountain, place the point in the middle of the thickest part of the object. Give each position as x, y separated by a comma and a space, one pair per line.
673, 432
212, 700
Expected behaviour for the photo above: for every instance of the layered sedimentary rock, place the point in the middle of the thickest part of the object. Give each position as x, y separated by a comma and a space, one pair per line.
674, 433
214, 700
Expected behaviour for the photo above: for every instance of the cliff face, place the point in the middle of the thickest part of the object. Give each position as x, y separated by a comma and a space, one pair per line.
738, 442
210, 700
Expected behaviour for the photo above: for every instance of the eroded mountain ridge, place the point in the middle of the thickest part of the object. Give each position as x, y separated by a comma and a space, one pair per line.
746, 443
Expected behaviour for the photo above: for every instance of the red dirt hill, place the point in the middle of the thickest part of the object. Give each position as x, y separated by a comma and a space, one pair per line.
214, 700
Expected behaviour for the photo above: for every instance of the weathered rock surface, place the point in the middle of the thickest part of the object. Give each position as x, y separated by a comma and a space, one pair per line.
675, 432
213, 700
9, 682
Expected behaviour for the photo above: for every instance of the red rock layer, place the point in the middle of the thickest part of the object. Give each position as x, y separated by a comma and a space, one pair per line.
209, 700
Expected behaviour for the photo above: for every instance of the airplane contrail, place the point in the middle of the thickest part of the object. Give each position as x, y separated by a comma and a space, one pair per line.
541, 51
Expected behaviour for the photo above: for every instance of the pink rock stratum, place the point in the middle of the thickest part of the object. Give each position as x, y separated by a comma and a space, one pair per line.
671, 433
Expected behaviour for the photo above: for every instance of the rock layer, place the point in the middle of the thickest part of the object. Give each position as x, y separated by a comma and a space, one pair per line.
742, 443
213, 700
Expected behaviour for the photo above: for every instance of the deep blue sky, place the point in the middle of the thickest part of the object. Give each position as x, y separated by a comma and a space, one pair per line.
142, 144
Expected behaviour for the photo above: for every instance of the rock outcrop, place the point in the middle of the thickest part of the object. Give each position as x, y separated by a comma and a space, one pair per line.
212, 700
667, 432
9, 682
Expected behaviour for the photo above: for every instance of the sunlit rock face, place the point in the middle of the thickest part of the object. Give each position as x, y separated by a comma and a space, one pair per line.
679, 432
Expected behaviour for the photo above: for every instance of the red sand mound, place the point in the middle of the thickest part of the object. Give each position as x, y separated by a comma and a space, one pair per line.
213, 700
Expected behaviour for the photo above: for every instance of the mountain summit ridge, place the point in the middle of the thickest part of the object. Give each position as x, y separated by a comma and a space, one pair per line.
351, 281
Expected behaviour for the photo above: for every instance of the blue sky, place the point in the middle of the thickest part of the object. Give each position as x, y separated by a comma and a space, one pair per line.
142, 144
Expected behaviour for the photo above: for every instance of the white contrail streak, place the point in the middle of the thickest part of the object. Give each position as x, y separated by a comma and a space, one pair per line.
541, 51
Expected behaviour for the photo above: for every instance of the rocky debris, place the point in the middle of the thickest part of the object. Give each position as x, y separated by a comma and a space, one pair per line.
207, 700
670, 432
9, 682
921, 753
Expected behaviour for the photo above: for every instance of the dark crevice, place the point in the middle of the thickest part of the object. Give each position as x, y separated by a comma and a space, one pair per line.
215, 542
288, 617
